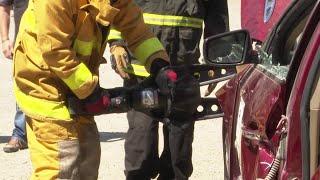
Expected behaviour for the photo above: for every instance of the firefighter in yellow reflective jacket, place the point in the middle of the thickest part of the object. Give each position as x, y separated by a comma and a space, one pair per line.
58, 51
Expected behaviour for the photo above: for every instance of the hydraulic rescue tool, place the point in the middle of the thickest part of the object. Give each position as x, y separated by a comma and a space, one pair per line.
183, 100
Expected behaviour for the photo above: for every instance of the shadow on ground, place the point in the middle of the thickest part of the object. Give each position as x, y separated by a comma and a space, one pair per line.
111, 136
104, 137
4, 139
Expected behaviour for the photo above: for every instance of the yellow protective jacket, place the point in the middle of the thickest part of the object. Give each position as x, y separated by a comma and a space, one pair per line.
59, 49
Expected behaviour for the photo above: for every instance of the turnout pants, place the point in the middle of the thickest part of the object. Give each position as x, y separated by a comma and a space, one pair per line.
64, 149
142, 160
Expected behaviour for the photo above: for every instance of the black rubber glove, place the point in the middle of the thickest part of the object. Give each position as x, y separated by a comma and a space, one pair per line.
101, 101
165, 77
186, 97
96, 103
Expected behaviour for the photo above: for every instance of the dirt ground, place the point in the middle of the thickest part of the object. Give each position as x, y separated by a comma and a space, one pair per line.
207, 146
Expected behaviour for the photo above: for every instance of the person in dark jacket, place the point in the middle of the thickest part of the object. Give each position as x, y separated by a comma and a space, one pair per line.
18, 139
179, 25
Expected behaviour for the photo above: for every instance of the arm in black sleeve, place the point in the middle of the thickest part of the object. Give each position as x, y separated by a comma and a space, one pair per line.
216, 17
6, 2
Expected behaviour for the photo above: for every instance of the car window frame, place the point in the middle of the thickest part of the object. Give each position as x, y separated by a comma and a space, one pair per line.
304, 112
300, 50
273, 48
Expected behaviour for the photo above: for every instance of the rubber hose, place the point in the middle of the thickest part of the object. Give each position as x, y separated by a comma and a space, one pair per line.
274, 169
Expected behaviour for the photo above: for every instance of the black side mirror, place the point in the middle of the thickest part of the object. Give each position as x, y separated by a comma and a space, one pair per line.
231, 48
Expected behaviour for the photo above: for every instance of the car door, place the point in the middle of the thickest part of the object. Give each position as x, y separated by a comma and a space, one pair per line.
303, 111
260, 96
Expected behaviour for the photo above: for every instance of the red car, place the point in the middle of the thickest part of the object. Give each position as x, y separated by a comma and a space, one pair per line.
271, 109
259, 16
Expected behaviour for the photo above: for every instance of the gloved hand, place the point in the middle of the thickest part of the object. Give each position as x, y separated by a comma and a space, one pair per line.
101, 101
97, 102
186, 97
119, 60
165, 77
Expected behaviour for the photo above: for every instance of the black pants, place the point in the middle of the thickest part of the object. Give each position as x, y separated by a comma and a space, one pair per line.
142, 160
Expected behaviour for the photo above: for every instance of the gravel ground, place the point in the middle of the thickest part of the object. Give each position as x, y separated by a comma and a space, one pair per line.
207, 146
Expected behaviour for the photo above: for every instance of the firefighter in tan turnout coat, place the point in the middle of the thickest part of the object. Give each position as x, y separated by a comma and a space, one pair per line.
58, 51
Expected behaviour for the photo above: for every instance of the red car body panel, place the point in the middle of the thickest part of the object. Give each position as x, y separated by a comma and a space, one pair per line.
261, 96
265, 160
227, 100
292, 166
252, 17
269, 92
258, 99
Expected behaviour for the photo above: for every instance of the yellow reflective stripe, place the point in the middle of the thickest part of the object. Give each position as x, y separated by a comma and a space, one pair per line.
41, 108
168, 20
83, 48
137, 70
114, 35
146, 49
80, 76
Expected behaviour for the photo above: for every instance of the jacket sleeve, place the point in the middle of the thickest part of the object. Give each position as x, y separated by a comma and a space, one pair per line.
55, 29
144, 45
114, 35
216, 17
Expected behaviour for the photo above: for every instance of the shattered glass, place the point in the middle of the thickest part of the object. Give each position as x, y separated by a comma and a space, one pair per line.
235, 55
280, 71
